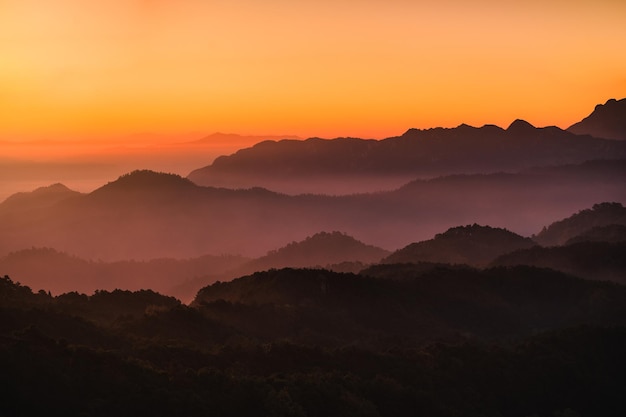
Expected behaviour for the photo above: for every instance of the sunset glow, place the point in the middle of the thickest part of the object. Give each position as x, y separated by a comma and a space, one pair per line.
92, 70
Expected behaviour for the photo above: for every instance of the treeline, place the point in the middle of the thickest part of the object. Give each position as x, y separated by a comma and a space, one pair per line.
316, 343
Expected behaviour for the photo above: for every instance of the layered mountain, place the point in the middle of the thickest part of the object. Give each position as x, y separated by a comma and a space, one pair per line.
607, 120
472, 245
334, 251
58, 272
147, 215
318, 250
613, 233
589, 260
41, 197
584, 221
346, 165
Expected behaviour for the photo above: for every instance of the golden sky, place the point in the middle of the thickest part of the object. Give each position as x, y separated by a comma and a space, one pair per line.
93, 69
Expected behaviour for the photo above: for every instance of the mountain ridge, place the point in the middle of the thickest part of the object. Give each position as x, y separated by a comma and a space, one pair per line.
607, 120
293, 166
182, 220
472, 245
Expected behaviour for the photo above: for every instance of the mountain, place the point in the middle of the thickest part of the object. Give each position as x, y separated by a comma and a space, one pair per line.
348, 165
231, 140
41, 197
471, 245
604, 214
607, 120
320, 250
613, 233
58, 272
148, 215
589, 260
334, 251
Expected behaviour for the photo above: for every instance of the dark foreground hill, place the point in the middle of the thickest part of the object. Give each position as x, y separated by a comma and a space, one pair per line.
348, 165
322, 307
138, 353
472, 245
146, 215
607, 120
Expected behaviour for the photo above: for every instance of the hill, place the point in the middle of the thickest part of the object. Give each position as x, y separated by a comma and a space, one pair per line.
148, 215
320, 250
58, 272
472, 245
612, 233
138, 353
348, 165
604, 214
41, 197
607, 120
589, 260
322, 307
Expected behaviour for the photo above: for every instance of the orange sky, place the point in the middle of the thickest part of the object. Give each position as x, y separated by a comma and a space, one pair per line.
76, 69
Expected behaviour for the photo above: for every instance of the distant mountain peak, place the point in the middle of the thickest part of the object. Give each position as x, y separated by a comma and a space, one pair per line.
520, 126
607, 121
50, 193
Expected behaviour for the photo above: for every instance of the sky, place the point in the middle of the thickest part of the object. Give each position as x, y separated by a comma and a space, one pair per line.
97, 70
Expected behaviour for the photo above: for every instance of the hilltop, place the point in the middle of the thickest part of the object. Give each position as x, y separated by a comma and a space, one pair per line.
472, 245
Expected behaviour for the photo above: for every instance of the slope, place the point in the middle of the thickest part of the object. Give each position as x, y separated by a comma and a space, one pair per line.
561, 231
472, 245
607, 120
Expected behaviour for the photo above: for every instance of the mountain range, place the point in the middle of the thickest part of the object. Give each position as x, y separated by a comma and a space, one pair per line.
594, 253
146, 215
348, 165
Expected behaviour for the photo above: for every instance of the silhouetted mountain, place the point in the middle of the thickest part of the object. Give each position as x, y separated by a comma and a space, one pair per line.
319, 250
335, 251
41, 197
612, 233
607, 120
604, 214
471, 245
48, 269
146, 215
233, 139
589, 260
346, 165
